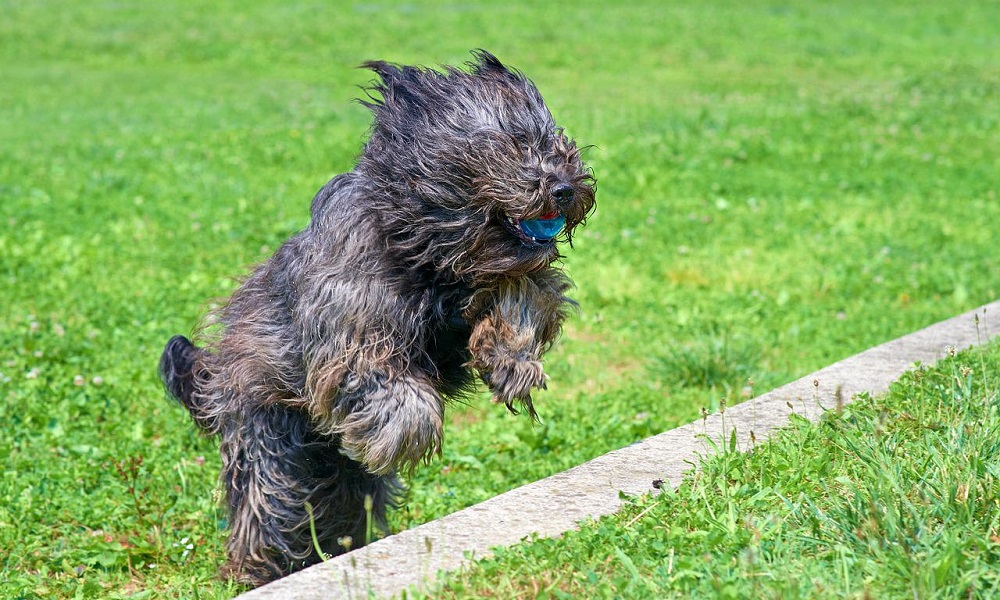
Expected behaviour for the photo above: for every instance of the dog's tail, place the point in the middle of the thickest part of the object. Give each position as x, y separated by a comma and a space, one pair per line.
179, 370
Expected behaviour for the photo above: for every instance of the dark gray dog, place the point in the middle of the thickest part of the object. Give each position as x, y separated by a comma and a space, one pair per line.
328, 369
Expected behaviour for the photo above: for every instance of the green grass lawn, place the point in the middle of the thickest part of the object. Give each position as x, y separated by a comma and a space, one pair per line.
895, 497
781, 185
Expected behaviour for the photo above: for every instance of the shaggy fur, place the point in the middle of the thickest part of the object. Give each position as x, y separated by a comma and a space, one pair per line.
329, 367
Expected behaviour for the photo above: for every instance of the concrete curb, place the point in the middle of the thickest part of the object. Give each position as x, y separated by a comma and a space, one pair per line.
556, 504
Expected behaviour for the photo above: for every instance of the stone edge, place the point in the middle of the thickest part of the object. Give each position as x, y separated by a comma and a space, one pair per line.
551, 506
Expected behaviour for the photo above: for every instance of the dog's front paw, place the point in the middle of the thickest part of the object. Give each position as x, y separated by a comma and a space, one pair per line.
397, 427
513, 381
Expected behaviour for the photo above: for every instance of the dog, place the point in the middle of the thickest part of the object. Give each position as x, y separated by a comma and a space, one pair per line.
435, 260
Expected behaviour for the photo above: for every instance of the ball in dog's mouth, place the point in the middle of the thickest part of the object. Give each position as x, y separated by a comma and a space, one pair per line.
540, 231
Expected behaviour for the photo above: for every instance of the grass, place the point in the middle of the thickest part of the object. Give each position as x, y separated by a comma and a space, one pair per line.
894, 497
781, 185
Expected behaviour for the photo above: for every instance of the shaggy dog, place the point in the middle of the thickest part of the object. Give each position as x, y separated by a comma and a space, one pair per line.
431, 262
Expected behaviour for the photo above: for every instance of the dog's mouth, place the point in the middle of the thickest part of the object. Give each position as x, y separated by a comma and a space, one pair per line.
536, 232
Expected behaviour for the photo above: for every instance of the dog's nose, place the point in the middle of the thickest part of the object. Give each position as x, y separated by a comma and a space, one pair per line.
562, 193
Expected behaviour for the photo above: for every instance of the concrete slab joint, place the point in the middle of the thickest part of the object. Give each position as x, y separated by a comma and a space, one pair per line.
556, 504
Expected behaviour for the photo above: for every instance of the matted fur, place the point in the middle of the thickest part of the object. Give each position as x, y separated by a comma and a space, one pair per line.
331, 363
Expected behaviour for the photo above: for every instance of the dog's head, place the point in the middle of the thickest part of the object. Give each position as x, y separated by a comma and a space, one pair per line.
477, 178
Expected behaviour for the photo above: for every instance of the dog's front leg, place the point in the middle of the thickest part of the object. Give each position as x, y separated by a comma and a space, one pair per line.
363, 387
388, 420
520, 322
385, 415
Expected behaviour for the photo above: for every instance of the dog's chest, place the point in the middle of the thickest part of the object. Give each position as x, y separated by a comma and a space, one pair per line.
447, 345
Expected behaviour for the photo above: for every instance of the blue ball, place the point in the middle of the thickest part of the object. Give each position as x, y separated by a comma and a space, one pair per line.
543, 229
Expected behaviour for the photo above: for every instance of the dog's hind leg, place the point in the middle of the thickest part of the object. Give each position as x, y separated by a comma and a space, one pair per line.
273, 466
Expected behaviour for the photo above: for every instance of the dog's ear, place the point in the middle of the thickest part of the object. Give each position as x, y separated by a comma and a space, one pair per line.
485, 62
397, 84
386, 70
488, 66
